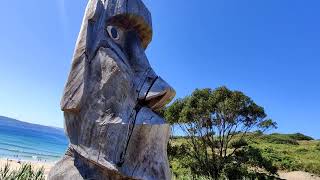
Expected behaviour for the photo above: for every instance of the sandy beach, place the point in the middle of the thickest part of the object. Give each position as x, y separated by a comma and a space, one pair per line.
15, 164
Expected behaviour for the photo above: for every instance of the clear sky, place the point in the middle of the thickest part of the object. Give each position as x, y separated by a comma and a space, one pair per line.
268, 49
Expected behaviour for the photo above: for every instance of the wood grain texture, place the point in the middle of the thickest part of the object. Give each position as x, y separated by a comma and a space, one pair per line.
111, 98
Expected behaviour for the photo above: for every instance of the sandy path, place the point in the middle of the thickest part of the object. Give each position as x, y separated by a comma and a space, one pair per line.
298, 175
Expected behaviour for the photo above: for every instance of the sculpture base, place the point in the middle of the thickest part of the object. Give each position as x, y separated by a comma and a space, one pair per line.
145, 157
75, 167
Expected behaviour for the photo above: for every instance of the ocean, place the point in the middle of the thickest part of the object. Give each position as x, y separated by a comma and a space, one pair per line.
24, 141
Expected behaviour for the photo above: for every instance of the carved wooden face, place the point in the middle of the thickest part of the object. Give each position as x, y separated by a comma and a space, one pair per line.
112, 91
118, 72
122, 30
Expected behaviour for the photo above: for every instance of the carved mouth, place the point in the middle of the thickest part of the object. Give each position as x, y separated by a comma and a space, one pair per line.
159, 95
156, 103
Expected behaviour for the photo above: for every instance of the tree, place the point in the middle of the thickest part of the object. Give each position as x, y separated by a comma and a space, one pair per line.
217, 124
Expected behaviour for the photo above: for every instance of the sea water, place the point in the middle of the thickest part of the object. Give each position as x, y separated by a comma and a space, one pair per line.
25, 141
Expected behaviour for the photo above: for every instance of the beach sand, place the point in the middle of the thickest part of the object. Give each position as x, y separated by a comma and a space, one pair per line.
15, 164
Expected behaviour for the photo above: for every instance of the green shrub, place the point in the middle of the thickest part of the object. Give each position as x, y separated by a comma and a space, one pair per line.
190, 177
238, 143
280, 139
291, 139
280, 159
312, 168
300, 137
318, 146
25, 172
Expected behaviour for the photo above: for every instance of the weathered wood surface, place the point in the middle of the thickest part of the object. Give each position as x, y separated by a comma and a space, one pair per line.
111, 98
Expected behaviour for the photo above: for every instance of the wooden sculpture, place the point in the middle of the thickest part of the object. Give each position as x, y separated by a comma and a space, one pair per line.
111, 99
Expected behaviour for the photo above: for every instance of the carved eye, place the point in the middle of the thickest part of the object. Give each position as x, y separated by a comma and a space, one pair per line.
113, 32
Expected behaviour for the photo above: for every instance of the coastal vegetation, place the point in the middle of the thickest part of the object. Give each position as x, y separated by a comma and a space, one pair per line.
218, 134
302, 155
25, 172
224, 138
284, 151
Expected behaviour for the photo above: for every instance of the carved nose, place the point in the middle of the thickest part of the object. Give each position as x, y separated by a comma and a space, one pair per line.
160, 94
154, 92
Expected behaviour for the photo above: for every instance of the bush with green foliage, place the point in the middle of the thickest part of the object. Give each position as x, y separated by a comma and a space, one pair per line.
300, 156
280, 139
25, 172
318, 146
285, 156
300, 137
216, 123
286, 138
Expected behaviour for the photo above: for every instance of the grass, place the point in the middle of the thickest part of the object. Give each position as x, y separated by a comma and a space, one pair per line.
285, 138
25, 172
318, 146
288, 152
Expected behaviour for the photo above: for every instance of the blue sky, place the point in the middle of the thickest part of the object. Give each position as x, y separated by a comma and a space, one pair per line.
270, 50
